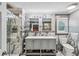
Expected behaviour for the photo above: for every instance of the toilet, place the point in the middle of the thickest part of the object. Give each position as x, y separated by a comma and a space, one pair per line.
68, 50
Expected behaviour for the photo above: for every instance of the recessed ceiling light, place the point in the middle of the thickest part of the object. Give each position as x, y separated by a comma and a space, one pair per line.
72, 6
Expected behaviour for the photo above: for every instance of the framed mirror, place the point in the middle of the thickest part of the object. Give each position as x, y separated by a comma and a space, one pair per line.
34, 24
46, 24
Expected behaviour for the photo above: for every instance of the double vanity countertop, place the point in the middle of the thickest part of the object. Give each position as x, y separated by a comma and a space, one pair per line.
40, 37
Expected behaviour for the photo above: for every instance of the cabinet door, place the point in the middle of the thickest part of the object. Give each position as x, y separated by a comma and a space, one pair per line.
52, 44
44, 44
36, 44
29, 44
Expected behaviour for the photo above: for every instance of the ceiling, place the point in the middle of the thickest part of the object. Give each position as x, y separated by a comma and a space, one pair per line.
43, 7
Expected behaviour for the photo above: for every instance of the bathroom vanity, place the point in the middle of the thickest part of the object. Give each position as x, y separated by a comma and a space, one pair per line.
40, 45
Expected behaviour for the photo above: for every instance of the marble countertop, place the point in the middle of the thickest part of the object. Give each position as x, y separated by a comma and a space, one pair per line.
40, 37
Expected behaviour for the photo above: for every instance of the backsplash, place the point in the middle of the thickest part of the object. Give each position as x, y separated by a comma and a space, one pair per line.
43, 33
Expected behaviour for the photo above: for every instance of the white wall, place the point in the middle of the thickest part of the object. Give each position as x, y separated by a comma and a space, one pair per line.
3, 26
0, 32
74, 22
74, 18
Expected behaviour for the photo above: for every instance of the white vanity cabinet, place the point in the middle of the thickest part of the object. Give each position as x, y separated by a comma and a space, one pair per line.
48, 44
41, 44
32, 44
